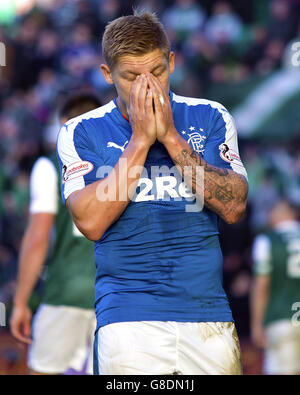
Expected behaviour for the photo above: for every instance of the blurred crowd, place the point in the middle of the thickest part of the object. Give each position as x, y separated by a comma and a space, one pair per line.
224, 51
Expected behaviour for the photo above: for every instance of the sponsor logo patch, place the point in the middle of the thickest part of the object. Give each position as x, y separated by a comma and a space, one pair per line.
228, 154
77, 169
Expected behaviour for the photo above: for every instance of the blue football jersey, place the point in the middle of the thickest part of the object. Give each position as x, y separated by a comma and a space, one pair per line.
161, 260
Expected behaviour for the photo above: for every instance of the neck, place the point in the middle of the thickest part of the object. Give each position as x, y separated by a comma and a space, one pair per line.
122, 107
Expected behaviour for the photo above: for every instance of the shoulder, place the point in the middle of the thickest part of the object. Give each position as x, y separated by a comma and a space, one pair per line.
210, 112
83, 126
204, 104
262, 239
96, 114
261, 246
43, 182
43, 166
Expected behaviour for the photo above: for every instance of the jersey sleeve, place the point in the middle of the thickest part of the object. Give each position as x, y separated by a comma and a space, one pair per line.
221, 148
261, 255
43, 187
78, 159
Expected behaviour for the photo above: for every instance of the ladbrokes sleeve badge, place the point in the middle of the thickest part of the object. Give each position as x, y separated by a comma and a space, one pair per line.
77, 169
228, 154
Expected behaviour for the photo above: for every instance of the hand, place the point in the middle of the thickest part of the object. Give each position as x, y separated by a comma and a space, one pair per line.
258, 336
20, 323
140, 110
163, 111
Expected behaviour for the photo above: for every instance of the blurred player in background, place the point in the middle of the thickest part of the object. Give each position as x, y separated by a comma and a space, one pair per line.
160, 305
276, 288
64, 324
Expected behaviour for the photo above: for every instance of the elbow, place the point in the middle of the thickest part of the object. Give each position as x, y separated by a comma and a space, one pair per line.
238, 207
90, 230
93, 235
236, 214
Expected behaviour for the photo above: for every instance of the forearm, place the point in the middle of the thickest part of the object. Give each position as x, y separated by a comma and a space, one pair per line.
93, 209
258, 301
225, 192
32, 257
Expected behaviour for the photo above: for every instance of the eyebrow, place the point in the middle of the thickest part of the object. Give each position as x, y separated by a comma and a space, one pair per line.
154, 69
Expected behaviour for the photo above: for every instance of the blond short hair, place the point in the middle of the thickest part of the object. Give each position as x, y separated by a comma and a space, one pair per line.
135, 34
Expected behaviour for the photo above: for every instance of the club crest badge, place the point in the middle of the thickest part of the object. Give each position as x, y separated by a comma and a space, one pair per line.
196, 141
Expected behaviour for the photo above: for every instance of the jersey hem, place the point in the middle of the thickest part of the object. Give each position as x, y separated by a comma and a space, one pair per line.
125, 317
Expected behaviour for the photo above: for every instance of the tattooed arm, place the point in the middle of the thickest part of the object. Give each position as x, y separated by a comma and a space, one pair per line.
225, 192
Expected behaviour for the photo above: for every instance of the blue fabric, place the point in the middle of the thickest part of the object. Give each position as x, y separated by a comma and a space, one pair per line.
95, 357
158, 261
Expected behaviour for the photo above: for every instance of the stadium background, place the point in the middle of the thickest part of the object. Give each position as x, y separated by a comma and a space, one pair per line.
235, 52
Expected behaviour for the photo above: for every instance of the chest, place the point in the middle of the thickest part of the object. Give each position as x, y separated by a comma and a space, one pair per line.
115, 140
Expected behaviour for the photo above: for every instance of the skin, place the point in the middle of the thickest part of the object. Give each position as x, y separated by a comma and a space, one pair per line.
258, 304
139, 81
128, 68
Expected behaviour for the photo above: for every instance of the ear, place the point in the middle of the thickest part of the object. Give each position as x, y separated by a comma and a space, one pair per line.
171, 62
107, 73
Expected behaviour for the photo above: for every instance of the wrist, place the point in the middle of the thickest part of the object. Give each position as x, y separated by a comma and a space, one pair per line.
140, 143
20, 302
170, 138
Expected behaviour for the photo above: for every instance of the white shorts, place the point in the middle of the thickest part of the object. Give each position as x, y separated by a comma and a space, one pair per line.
164, 348
282, 354
62, 339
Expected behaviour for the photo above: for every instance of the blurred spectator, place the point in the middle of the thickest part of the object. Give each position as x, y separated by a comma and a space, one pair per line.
47, 50
107, 10
272, 56
224, 27
257, 48
276, 289
80, 54
25, 55
184, 17
87, 16
282, 24
63, 14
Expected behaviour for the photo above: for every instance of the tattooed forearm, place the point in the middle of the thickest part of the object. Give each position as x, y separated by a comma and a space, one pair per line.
225, 192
